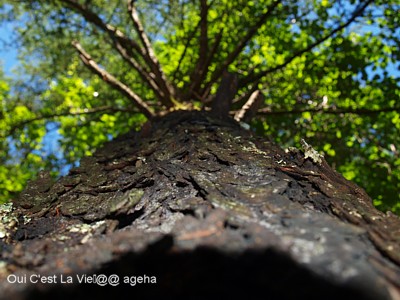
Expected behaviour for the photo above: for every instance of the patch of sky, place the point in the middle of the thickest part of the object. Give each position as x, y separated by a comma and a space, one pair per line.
8, 52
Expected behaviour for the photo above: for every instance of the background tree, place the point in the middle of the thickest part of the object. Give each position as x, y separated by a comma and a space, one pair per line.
327, 72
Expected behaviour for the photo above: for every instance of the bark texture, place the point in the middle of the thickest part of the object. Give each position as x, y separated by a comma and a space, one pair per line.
208, 209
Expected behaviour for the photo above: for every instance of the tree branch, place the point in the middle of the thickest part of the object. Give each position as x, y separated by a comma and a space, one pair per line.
144, 74
112, 31
196, 83
244, 95
254, 78
242, 43
112, 81
249, 109
122, 44
85, 111
153, 61
222, 102
213, 50
334, 111
203, 48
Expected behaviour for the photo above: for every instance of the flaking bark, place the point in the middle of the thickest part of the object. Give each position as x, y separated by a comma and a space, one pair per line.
208, 209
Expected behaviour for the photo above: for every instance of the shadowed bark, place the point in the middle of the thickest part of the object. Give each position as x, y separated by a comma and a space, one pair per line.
208, 209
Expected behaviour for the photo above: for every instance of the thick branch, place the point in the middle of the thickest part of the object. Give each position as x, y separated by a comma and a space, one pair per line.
249, 109
203, 32
242, 43
213, 50
254, 78
221, 105
112, 81
203, 48
154, 63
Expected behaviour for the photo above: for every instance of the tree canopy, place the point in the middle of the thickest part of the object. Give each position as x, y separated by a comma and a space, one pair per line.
323, 71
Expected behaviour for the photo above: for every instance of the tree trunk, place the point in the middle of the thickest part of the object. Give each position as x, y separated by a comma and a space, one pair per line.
201, 207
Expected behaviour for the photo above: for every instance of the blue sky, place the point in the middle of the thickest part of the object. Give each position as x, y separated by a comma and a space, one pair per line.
8, 55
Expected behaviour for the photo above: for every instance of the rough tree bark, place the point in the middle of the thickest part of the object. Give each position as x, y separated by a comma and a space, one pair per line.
207, 209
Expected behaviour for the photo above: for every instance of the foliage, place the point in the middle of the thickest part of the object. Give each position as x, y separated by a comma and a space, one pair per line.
328, 71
